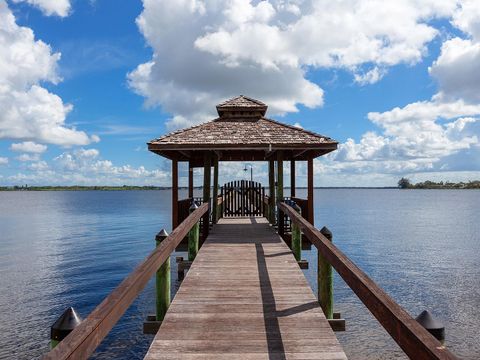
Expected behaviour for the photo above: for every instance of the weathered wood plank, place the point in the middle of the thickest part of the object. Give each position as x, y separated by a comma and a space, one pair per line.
245, 297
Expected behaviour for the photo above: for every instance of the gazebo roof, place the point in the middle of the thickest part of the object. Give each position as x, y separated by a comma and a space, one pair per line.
242, 133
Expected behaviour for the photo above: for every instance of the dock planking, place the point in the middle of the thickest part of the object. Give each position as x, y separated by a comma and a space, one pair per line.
245, 298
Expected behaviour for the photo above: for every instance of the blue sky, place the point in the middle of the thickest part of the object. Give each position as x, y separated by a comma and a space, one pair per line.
85, 84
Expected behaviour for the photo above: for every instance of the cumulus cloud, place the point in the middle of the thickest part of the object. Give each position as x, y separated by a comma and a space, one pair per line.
28, 111
38, 166
50, 7
420, 136
467, 18
87, 163
28, 157
28, 147
86, 167
456, 69
264, 49
440, 134
3, 160
327, 33
370, 77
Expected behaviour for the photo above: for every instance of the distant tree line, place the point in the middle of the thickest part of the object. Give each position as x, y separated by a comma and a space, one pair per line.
405, 183
79, 188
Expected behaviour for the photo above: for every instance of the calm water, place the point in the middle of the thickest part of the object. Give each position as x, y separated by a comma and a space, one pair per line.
60, 249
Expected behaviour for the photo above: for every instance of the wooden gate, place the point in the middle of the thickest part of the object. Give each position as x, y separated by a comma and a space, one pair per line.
243, 198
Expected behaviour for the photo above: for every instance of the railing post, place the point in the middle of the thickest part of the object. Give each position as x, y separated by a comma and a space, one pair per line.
296, 235
193, 235
325, 280
162, 281
64, 325
266, 210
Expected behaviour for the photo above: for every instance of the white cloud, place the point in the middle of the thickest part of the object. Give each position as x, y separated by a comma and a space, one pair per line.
28, 147
28, 157
86, 167
421, 136
370, 77
3, 160
467, 18
457, 70
439, 135
328, 33
28, 110
50, 7
38, 166
264, 49
88, 164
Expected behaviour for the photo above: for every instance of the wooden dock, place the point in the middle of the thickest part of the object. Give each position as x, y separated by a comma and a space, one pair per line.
245, 297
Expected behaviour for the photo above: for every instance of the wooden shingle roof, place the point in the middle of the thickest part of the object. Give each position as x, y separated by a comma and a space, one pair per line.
242, 105
242, 132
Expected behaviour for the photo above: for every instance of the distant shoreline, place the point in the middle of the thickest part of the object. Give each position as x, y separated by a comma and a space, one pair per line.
150, 188
405, 183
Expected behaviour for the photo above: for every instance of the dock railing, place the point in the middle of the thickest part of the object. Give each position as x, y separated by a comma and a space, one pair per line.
86, 337
412, 338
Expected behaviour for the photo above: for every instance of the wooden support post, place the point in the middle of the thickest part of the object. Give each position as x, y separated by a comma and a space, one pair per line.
221, 207
310, 216
296, 235
180, 272
162, 281
325, 280
174, 194
292, 178
207, 168
280, 220
215, 209
193, 236
190, 180
271, 184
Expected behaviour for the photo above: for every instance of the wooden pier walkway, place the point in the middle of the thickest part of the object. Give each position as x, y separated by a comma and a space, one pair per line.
245, 297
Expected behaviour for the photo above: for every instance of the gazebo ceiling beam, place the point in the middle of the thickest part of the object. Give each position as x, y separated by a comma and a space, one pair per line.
195, 157
269, 153
239, 146
185, 153
299, 153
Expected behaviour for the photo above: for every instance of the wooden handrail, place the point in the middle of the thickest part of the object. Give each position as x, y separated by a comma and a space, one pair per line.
85, 338
414, 340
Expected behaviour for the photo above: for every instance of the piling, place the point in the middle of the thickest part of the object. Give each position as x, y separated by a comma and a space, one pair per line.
296, 234
193, 236
64, 325
325, 279
162, 282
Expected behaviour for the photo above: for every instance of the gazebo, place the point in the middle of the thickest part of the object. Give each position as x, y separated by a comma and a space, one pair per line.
242, 133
